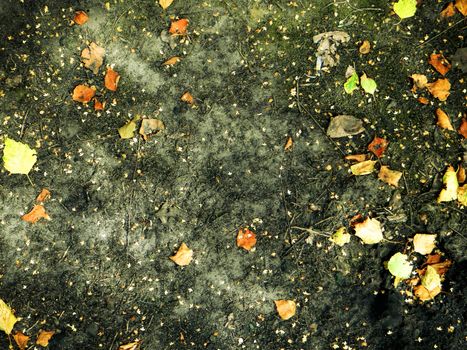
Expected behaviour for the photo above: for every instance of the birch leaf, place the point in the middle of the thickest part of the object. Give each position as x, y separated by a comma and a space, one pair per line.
368, 84
340, 237
351, 84
369, 231
462, 195
18, 158
405, 8
431, 280
399, 266
127, 131
165, 3
363, 168
7, 319
183, 256
424, 243
285, 308
449, 193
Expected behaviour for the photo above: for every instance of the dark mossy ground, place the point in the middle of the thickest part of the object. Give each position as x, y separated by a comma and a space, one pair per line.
98, 273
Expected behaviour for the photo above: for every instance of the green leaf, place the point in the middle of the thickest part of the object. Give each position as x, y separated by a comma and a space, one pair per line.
340, 237
7, 319
399, 266
405, 8
351, 83
18, 158
368, 84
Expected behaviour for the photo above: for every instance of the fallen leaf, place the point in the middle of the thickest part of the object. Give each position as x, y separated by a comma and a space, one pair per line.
363, 168
399, 266
449, 11
18, 157
463, 128
365, 47
462, 195
288, 144
188, 98
405, 8
127, 131
150, 127
356, 157
449, 192
93, 57
424, 294
183, 256
440, 89
37, 212
44, 337
443, 120
43, 196
83, 93
80, 17
369, 231
340, 237
179, 27
172, 61
111, 79
439, 63
461, 6
431, 280
352, 83
130, 346
389, 176
368, 84
285, 308
165, 3
378, 146
21, 340
344, 125
432, 259
424, 243
419, 82
461, 175
423, 100
246, 239
7, 319
98, 105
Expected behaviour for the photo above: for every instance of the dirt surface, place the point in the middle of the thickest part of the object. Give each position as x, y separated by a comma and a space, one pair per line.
98, 273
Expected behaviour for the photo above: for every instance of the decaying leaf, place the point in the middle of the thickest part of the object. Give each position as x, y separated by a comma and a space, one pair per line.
165, 3
443, 120
188, 98
389, 176
111, 79
461, 6
130, 346
461, 175
378, 146
423, 100
340, 237
172, 61
419, 82
83, 93
80, 17
463, 128
183, 256
288, 144
98, 105
424, 294
431, 280
369, 231
246, 239
179, 27
424, 243
462, 195
93, 57
449, 192
399, 266
44, 337
150, 127
440, 89
352, 83
368, 84
439, 63
344, 125
363, 168
405, 8
435, 261
37, 212
285, 308
448, 11
7, 318
356, 157
21, 340
365, 47
18, 157
43, 196
127, 131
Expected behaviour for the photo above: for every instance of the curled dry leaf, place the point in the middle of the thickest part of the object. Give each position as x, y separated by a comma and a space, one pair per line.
183, 256
285, 308
344, 125
93, 57
21, 340
439, 63
83, 93
424, 243
130, 346
178, 27
461, 175
188, 98
150, 127
356, 157
37, 212
461, 6
462, 195
448, 11
172, 61
449, 192
419, 82
363, 168
423, 100
7, 318
443, 120
246, 239
365, 47
43, 196
440, 89
463, 128
165, 3
288, 144
44, 337
80, 17
378, 146
389, 176
98, 105
424, 294
111, 79
369, 231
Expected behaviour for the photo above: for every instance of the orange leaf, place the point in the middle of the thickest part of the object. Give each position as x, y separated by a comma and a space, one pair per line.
130, 346
98, 105
461, 176
111, 79
37, 212
356, 157
179, 27
463, 128
440, 89
246, 239
389, 176
424, 294
288, 144
285, 308
21, 339
188, 98
443, 120
93, 57
44, 337
172, 61
378, 146
449, 11
461, 5
365, 47
43, 196
81, 17
423, 100
183, 256
83, 93
439, 63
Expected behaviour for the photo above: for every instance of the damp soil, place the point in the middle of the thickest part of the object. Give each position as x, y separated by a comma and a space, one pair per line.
98, 273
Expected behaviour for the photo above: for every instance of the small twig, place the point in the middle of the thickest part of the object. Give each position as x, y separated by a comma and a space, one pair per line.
23, 126
311, 231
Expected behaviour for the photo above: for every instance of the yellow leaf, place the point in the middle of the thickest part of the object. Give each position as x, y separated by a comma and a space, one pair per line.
18, 157
340, 237
424, 243
431, 280
449, 193
127, 131
172, 61
44, 337
363, 168
22, 340
389, 176
462, 195
183, 256
7, 319
165, 3
369, 231
130, 346
285, 308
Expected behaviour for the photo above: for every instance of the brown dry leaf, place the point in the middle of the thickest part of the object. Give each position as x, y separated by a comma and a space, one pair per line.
378, 146
461, 5
37, 212
93, 57
449, 11
172, 61
461, 176
440, 63
440, 89
419, 82
150, 127
285, 308
424, 294
188, 98
356, 157
432, 259
365, 47
98, 105
246, 239
43, 196
83, 93
288, 144
165, 3
369, 231
80, 17
443, 120
130, 346
463, 128
21, 340
442, 267
179, 27
424, 243
363, 168
44, 337
389, 176
183, 256
423, 100
111, 79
